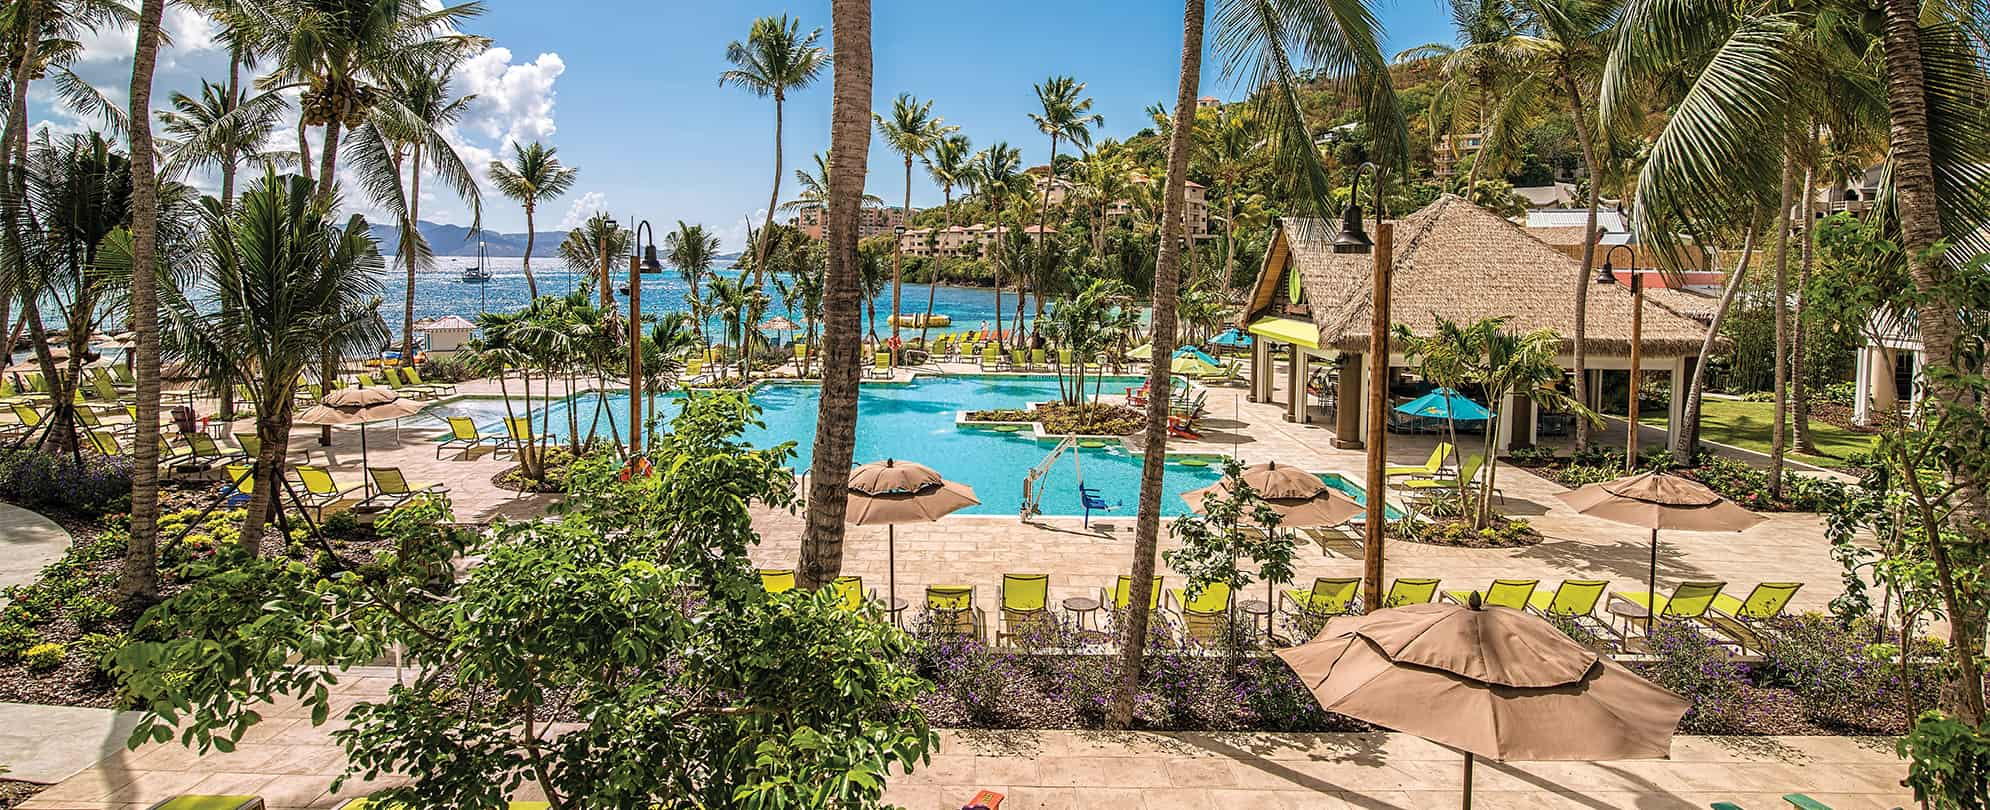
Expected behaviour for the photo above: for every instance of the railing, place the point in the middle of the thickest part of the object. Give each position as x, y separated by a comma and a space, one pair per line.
1032, 492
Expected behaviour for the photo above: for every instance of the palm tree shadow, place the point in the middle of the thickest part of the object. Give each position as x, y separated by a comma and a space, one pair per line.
1255, 751
1623, 560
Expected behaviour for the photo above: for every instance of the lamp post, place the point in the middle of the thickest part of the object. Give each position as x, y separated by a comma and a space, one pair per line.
1353, 240
649, 265
607, 229
1608, 275
897, 273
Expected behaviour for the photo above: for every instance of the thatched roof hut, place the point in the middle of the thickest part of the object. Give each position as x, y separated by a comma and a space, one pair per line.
1459, 261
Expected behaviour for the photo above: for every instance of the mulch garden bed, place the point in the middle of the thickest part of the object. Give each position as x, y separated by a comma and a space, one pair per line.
12, 793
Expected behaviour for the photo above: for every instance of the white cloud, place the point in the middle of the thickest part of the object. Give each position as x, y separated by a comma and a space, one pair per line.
190, 30
108, 45
584, 206
187, 30
514, 102
733, 236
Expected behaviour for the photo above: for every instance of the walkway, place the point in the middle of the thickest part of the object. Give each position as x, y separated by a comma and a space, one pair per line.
28, 541
291, 765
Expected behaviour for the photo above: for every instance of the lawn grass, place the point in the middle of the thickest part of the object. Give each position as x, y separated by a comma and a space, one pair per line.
1746, 425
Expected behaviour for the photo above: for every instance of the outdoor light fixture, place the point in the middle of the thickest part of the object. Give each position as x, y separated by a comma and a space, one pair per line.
1353, 239
898, 230
1607, 275
650, 265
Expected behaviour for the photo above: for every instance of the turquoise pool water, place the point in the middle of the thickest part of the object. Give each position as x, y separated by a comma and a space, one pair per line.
916, 422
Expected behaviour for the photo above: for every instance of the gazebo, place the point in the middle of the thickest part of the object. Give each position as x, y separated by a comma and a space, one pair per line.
1452, 259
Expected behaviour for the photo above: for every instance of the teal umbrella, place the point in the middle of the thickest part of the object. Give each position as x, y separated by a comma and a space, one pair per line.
1193, 352
1445, 403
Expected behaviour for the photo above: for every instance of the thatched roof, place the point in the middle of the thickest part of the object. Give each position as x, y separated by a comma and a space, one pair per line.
1457, 260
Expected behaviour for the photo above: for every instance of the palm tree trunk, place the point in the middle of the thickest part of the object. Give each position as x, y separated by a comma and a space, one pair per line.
1581, 338
1230, 245
303, 149
140, 579
13, 157
1001, 255
1920, 229
414, 233
898, 263
1042, 244
329, 161
932, 285
1799, 389
836, 423
1779, 428
531, 234
1167, 277
773, 197
1685, 435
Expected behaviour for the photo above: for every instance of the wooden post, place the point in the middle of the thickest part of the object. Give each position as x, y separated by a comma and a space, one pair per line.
1378, 400
635, 357
1637, 356
1347, 405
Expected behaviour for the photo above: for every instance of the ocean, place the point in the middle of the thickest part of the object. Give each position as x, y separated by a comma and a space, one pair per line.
442, 291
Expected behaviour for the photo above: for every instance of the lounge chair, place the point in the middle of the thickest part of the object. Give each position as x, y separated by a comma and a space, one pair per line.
1410, 591
401, 385
1574, 598
414, 376
1507, 593
694, 368
1430, 468
1689, 601
518, 435
849, 592
105, 442
389, 484
88, 418
463, 435
1424, 489
951, 610
123, 376
1039, 360
880, 367
1207, 616
241, 482
777, 581
1025, 606
1329, 596
102, 391
991, 359
10, 394
194, 802
320, 491
1741, 619
1121, 597
1230, 372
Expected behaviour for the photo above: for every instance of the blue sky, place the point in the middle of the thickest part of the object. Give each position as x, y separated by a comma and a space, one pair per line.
628, 91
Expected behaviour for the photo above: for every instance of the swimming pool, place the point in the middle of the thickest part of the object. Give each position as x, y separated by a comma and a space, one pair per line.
916, 422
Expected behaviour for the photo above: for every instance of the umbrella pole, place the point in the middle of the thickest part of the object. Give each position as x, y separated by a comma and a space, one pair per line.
365, 479
1468, 780
891, 569
1651, 587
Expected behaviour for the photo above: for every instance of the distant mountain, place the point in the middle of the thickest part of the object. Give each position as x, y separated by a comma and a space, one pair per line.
456, 240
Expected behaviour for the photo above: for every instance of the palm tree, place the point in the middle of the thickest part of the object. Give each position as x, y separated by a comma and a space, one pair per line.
948, 165
140, 580
998, 175
1067, 116
585, 248
297, 281
692, 251
204, 135
775, 58
534, 174
1228, 148
1104, 177
669, 340
342, 53
836, 423
802, 294
395, 139
815, 188
1469, 99
911, 131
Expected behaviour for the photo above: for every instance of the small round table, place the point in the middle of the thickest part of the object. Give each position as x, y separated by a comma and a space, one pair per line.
1082, 607
1631, 612
897, 610
1256, 609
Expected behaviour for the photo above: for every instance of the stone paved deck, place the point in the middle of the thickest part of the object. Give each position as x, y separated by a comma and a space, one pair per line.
291, 765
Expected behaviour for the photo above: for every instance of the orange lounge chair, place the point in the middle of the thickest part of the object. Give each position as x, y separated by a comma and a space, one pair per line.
985, 800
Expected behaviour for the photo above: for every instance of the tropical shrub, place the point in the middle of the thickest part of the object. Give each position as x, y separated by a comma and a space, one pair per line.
44, 657
446, 370
90, 611
1839, 675
92, 485
1949, 762
15, 639
1687, 662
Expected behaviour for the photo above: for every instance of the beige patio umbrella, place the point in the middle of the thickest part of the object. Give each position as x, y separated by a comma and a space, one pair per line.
1300, 498
1490, 682
1656, 501
358, 406
55, 353
891, 492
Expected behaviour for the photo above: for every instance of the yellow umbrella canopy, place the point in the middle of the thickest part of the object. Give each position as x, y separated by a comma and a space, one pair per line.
1490, 681
1190, 366
891, 492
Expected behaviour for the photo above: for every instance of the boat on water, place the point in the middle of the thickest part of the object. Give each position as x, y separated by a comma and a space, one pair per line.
936, 320
477, 273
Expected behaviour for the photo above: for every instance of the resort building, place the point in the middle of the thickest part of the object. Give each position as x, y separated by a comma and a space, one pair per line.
1886, 370
957, 242
1195, 216
1448, 152
1553, 195
1209, 103
1856, 197
870, 221
1453, 260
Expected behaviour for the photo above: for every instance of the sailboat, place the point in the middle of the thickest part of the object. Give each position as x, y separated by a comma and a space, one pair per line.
477, 273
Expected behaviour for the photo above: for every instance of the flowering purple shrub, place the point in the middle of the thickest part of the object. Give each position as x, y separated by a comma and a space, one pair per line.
1843, 677
1687, 662
94, 485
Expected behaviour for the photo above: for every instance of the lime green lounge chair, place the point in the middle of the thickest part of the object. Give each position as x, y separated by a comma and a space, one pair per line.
105, 442
1121, 597
518, 435
880, 366
1025, 606
1038, 360
1329, 596
1690, 601
850, 592
1205, 617
191, 802
320, 490
1574, 598
951, 610
1409, 591
1741, 620
391, 486
991, 359
242, 477
777, 580
1428, 469
414, 376
1507, 593
463, 436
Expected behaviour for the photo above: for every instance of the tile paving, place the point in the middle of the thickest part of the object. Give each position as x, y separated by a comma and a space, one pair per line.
290, 763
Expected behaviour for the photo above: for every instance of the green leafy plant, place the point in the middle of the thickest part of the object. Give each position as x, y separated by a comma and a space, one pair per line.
91, 611
44, 657
16, 638
1949, 762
